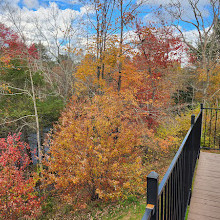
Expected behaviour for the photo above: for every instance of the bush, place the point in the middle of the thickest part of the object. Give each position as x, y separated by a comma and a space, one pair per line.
94, 152
17, 195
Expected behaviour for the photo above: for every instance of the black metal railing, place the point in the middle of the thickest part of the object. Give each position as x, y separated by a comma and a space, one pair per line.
211, 128
171, 199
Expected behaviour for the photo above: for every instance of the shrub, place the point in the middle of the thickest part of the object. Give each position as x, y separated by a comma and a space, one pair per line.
17, 195
95, 151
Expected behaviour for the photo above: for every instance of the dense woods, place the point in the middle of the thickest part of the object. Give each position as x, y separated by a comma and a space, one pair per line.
113, 106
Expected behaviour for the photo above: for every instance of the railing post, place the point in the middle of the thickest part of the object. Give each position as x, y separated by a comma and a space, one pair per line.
152, 192
200, 128
193, 147
201, 106
192, 120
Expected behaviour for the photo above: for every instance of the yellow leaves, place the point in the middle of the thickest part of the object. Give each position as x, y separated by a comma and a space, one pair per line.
100, 193
202, 75
5, 59
5, 88
74, 180
126, 185
5, 62
97, 139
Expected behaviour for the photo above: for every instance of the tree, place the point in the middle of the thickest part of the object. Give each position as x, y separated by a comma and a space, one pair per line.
95, 151
204, 54
17, 195
156, 60
24, 92
110, 22
19, 55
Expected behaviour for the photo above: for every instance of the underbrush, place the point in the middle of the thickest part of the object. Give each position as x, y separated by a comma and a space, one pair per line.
133, 207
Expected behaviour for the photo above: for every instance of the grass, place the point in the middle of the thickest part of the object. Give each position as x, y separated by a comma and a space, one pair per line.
131, 208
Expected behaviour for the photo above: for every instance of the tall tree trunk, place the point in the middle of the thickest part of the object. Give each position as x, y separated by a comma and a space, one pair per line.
37, 122
120, 46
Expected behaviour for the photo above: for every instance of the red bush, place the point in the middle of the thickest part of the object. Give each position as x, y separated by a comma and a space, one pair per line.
17, 195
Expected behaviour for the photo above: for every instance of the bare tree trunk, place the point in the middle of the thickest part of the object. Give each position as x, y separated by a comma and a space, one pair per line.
37, 121
120, 46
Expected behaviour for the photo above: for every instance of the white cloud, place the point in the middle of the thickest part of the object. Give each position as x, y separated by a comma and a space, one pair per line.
87, 9
184, 6
48, 25
11, 2
31, 3
191, 37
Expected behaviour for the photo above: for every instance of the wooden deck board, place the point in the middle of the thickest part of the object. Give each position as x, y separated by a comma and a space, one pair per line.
205, 201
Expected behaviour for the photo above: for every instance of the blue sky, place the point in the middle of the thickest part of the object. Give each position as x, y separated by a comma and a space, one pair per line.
40, 9
50, 30
146, 9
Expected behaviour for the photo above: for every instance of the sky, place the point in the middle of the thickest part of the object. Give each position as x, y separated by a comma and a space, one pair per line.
40, 7
46, 21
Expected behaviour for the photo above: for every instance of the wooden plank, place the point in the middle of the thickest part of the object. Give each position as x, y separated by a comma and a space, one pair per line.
205, 201
208, 174
207, 210
206, 194
212, 187
193, 216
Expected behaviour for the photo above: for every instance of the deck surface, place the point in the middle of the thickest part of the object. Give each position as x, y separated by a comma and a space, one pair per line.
205, 201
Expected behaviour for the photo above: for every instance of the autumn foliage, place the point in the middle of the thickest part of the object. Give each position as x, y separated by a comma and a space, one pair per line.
120, 97
157, 60
103, 141
95, 151
17, 195
13, 45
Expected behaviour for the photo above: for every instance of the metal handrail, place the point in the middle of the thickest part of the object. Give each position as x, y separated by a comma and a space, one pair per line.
211, 129
169, 199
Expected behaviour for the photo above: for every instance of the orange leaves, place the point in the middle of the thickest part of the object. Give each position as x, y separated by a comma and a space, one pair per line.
96, 148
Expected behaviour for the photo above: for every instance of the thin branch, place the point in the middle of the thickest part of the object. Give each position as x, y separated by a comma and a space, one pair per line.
26, 116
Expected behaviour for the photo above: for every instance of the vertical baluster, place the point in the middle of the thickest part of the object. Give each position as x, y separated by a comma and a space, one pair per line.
165, 202
162, 206
193, 141
181, 187
184, 180
175, 192
210, 127
168, 202
158, 208
172, 197
205, 126
178, 189
216, 117
187, 170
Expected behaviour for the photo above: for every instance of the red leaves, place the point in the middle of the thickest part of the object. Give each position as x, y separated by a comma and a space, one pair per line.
17, 195
156, 60
11, 45
157, 47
